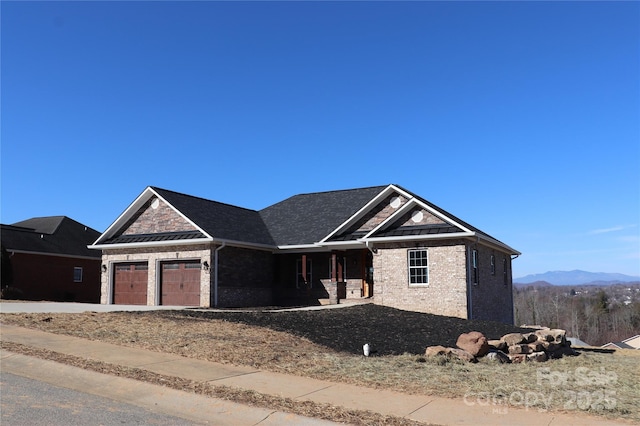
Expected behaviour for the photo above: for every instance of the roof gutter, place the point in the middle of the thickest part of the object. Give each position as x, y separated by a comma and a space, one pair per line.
420, 237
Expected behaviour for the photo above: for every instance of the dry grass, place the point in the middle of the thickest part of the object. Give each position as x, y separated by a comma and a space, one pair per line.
327, 344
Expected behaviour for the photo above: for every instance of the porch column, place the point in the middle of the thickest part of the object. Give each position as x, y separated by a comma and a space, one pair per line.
333, 285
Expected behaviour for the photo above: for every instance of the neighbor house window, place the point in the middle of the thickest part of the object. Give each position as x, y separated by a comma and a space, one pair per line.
300, 281
493, 265
474, 267
77, 274
418, 267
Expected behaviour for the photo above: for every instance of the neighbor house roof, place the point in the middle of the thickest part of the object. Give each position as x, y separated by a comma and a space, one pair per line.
52, 235
304, 221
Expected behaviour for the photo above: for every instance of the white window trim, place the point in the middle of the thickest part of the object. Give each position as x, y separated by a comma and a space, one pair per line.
409, 267
75, 269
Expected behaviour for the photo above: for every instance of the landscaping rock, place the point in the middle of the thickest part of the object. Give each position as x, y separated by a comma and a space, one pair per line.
462, 354
498, 345
474, 343
536, 347
498, 356
519, 349
537, 356
516, 359
436, 350
513, 339
530, 337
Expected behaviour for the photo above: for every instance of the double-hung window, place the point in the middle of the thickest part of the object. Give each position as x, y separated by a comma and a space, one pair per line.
418, 267
475, 267
77, 274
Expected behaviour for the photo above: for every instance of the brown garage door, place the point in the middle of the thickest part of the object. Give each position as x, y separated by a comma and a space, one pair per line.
130, 284
180, 284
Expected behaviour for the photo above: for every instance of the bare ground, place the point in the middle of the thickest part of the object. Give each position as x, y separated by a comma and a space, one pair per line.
327, 344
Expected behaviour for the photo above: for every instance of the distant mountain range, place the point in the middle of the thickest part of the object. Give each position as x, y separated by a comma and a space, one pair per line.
577, 277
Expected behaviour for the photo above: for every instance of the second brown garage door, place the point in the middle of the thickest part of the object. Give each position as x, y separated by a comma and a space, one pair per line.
180, 284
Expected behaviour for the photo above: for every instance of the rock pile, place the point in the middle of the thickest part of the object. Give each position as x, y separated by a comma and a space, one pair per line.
537, 346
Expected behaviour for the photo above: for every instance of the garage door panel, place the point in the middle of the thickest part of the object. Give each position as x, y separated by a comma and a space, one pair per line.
180, 283
130, 284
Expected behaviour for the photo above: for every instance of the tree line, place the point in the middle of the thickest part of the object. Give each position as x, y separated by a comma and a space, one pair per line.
593, 314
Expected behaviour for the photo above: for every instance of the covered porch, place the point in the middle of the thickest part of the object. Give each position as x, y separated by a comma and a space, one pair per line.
315, 278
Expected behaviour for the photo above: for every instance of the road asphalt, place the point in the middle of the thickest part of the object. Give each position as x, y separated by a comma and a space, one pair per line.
423, 408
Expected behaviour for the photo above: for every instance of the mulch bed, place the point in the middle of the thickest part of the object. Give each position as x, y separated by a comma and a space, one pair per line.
390, 331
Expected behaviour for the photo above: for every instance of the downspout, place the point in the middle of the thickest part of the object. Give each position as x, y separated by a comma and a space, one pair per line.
469, 283
215, 275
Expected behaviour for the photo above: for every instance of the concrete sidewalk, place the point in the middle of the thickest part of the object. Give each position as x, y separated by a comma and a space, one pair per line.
427, 409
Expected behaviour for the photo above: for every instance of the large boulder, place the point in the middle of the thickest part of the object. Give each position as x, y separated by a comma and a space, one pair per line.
537, 356
513, 339
498, 345
474, 343
498, 356
436, 350
462, 355
519, 349
555, 335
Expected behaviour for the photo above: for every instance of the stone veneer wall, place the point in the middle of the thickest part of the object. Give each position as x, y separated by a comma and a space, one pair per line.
153, 257
161, 219
491, 298
446, 293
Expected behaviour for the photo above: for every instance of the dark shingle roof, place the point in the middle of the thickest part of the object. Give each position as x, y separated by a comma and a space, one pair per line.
308, 218
52, 235
220, 220
162, 236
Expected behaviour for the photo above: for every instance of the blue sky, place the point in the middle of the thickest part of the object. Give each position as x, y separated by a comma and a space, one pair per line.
521, 118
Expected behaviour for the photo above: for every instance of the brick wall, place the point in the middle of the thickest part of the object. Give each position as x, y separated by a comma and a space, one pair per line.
445, 293
153, 257
240, 267
492, 296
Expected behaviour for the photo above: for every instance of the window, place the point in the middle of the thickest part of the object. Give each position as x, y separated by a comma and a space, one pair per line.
505, 275
300, 282
418, 267
474, 267
493, 265
77, 274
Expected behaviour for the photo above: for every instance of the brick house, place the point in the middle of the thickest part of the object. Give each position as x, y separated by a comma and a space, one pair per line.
383, 243
46, 258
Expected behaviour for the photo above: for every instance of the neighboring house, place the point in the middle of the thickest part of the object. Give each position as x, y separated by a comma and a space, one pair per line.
46, 258
575, 342
630, 343
382, 242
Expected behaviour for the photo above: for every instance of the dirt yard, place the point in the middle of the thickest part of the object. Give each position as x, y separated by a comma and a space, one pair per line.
327, 344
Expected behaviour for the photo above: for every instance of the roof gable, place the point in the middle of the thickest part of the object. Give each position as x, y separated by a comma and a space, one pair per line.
349, 217
184, 218
309, 218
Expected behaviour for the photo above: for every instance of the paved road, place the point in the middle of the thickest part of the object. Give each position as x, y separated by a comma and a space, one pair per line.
34, 403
